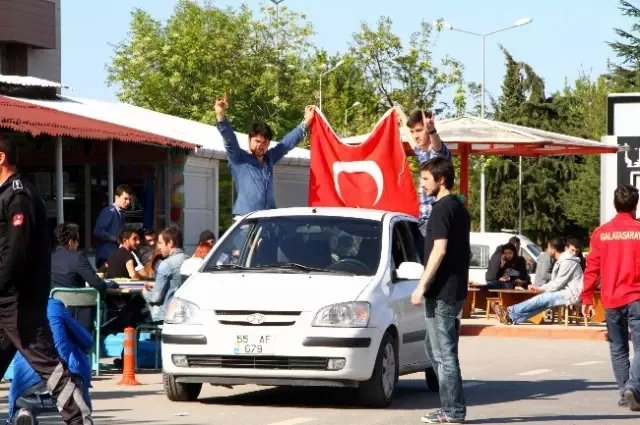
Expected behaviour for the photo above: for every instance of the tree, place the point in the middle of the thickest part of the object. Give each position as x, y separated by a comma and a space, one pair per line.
625, 75
404, 76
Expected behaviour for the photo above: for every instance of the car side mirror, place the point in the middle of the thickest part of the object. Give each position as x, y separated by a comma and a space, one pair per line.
409, 271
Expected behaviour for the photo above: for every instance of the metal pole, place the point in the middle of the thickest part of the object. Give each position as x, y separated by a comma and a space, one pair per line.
482, 174
345, 117
320, 92
87, 207
111, 188
520, 196
59, 182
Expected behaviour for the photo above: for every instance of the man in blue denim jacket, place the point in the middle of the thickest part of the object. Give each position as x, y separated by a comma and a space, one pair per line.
168, 278
252, 171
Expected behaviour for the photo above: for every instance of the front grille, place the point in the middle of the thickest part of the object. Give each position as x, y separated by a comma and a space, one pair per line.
248, 312
259, 362
233, 322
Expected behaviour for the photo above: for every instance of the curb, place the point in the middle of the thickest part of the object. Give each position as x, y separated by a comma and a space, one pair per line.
534, 332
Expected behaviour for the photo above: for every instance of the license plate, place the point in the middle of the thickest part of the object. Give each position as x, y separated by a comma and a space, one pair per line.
254, 344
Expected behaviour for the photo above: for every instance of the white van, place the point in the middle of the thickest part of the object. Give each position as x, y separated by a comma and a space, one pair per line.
483, 245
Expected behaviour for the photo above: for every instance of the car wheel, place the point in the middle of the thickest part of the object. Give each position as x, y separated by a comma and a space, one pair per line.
431, 379
177, 391
378, 390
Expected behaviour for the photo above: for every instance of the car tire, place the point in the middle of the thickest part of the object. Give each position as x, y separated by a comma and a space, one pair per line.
177, 391
431, 379
379, 389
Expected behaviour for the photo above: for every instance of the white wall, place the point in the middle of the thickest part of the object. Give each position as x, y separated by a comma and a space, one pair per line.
201, 199
291, 185
608, 180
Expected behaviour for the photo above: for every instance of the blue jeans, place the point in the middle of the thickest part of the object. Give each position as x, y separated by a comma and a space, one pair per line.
520, 313
619, 322
441, 345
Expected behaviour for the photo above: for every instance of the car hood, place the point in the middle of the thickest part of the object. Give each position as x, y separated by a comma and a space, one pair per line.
270, 291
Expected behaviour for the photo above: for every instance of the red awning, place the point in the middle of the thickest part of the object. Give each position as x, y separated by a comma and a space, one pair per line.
35, 119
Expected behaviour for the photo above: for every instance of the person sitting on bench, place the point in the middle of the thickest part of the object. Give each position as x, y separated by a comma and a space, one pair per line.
564, 288
28, 394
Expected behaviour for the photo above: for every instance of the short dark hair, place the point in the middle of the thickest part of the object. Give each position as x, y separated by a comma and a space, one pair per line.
123, 188
10, 149
509, 246
206, 236
514, 240
416, 117
126, 233
440, 167
625, 198
575, 242
65, 233
172, 234
150, 232
259, 128
558, 243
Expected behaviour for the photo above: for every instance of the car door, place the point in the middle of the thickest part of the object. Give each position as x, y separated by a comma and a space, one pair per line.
413, 339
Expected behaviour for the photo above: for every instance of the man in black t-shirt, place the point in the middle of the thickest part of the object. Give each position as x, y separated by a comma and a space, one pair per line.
444, 286
122, 264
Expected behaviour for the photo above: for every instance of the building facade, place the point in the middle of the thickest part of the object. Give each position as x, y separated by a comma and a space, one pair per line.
30, 38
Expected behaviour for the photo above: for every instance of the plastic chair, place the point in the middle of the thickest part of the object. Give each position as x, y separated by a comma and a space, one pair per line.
83, 297
153, 327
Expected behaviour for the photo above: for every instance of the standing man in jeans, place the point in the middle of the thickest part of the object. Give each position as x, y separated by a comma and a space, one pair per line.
615, 249
252, 171
444, 286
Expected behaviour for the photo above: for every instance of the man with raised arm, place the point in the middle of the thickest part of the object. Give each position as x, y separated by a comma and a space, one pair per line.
252, 170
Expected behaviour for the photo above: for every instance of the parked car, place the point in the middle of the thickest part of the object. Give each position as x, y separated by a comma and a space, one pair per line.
302, 297
483, 245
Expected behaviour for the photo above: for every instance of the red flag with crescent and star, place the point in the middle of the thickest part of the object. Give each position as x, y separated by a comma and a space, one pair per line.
374, 174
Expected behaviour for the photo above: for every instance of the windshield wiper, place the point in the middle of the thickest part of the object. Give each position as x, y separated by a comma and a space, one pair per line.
225, 267
297, 266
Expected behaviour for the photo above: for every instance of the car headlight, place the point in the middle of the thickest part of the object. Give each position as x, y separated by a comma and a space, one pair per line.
182, 312
344, 315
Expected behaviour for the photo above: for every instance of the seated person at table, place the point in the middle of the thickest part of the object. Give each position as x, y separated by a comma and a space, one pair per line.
545, 264
520, 264
501, 272
208, 237
70, 268
122, 263
147, 245
193, 264
564, 288
168, 278
28, 392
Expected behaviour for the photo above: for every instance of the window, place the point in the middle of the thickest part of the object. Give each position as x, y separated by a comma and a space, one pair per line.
418, 240
321, 243
479, 257
534, 249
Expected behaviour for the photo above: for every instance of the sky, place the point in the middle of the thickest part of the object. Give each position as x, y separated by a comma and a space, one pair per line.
565, 39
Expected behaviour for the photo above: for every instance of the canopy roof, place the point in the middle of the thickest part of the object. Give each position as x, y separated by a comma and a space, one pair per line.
487, 137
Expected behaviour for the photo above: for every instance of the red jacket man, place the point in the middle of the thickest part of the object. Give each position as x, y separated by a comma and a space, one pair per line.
615, 259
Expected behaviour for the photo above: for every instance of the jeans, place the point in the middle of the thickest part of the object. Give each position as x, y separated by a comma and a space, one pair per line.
441, 345
520, 313
619, 322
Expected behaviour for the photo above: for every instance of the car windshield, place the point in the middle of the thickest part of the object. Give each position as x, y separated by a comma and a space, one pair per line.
301, 244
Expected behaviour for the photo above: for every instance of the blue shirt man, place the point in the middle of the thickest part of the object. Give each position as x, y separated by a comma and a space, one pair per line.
252, 171
110, 223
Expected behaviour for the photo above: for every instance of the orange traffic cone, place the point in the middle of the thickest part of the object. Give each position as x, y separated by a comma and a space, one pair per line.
128, 362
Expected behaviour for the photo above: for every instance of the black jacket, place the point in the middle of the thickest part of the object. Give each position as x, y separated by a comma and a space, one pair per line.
495, 272
71, 269
25, 250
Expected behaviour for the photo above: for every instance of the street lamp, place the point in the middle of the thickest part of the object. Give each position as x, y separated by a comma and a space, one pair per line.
325, 73
519, 23
277, 3
355, 105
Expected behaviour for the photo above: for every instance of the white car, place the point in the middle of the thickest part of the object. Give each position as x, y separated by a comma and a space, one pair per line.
302, 297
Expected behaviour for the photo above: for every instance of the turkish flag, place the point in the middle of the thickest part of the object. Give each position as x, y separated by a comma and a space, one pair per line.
374, 174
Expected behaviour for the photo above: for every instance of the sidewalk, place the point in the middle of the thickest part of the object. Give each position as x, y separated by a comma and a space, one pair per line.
478, 325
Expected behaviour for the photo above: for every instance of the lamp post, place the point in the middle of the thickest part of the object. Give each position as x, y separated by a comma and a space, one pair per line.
277, 3
346, 111
483, 36
325, 73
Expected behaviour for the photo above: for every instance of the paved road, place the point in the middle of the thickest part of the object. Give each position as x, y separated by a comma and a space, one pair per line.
540, 382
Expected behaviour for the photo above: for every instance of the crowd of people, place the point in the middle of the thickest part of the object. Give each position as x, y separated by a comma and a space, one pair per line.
28, 271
